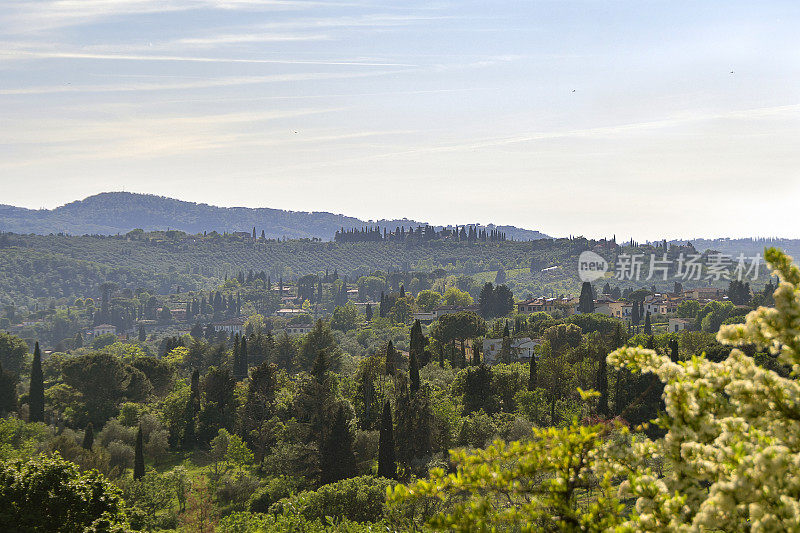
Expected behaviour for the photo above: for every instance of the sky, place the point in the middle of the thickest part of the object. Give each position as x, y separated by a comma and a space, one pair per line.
641, 119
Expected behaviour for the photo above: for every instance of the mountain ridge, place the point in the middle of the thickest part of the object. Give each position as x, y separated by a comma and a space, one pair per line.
109, 213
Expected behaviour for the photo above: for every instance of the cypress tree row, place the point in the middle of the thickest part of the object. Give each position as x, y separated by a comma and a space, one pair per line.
88, 437
36, 399
138, 460
387, 466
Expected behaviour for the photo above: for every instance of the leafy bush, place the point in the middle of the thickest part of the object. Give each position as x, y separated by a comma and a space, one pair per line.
360, 499
47, 493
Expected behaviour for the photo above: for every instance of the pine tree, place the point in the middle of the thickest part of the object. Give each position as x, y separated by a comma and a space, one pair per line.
413, 373
138, 460
88, 437
337, 460
36, 394
387, 466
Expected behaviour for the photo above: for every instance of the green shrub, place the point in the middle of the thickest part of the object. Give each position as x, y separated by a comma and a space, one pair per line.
360, 499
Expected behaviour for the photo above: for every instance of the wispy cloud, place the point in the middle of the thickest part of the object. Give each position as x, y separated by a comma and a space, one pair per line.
52, 54
25, 16
190, 84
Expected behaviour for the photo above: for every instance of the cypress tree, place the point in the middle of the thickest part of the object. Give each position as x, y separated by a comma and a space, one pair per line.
337, 460
387, 466
391, 363
36, 395
142, 334
242, 370
635, 317
192, 405
441, 357
78, 342
506, 332
673, 350
88, 437
602, 382
476, 353
236, 343
368, 312
586, 300
648, 328
532, 373
138, 460
413, 372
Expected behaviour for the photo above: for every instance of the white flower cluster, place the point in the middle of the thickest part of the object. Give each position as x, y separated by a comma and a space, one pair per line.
731, 454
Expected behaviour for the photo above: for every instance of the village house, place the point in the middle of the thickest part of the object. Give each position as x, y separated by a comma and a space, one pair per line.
522, 349
295, 330
679, 324
103, 329
288, 312
551, 306
424, 317
704, 293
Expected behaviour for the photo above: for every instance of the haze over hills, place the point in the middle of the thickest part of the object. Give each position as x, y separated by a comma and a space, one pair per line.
119, 212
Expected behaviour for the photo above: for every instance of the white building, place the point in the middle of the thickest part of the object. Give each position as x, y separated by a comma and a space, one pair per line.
104, 329
298, 329
522, 349
234, 325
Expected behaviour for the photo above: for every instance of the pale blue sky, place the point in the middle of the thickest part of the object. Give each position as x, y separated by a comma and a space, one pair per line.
584, 117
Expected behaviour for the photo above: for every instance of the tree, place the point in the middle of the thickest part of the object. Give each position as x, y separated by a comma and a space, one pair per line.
387, 466
88, 437
413, 373
743, 465
476, 353
218, 404
586, 300
417, 343
36, 394
142, 334
13, 351
192, 407
345, 318
648, 328
337, 460
391, 359
500, 277
47, 493
258, 409
138, 461
8, 391
320, 338
428, 300
673, 350
532, 373
368, 312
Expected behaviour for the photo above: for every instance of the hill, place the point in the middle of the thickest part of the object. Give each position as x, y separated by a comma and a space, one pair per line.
119, 212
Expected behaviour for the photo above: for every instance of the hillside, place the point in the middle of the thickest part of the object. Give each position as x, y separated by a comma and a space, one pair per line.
119, 212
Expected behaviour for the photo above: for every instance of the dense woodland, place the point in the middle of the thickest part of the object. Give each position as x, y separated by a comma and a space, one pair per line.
175, 426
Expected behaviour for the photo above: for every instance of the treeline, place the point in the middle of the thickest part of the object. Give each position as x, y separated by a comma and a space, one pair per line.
467, 233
